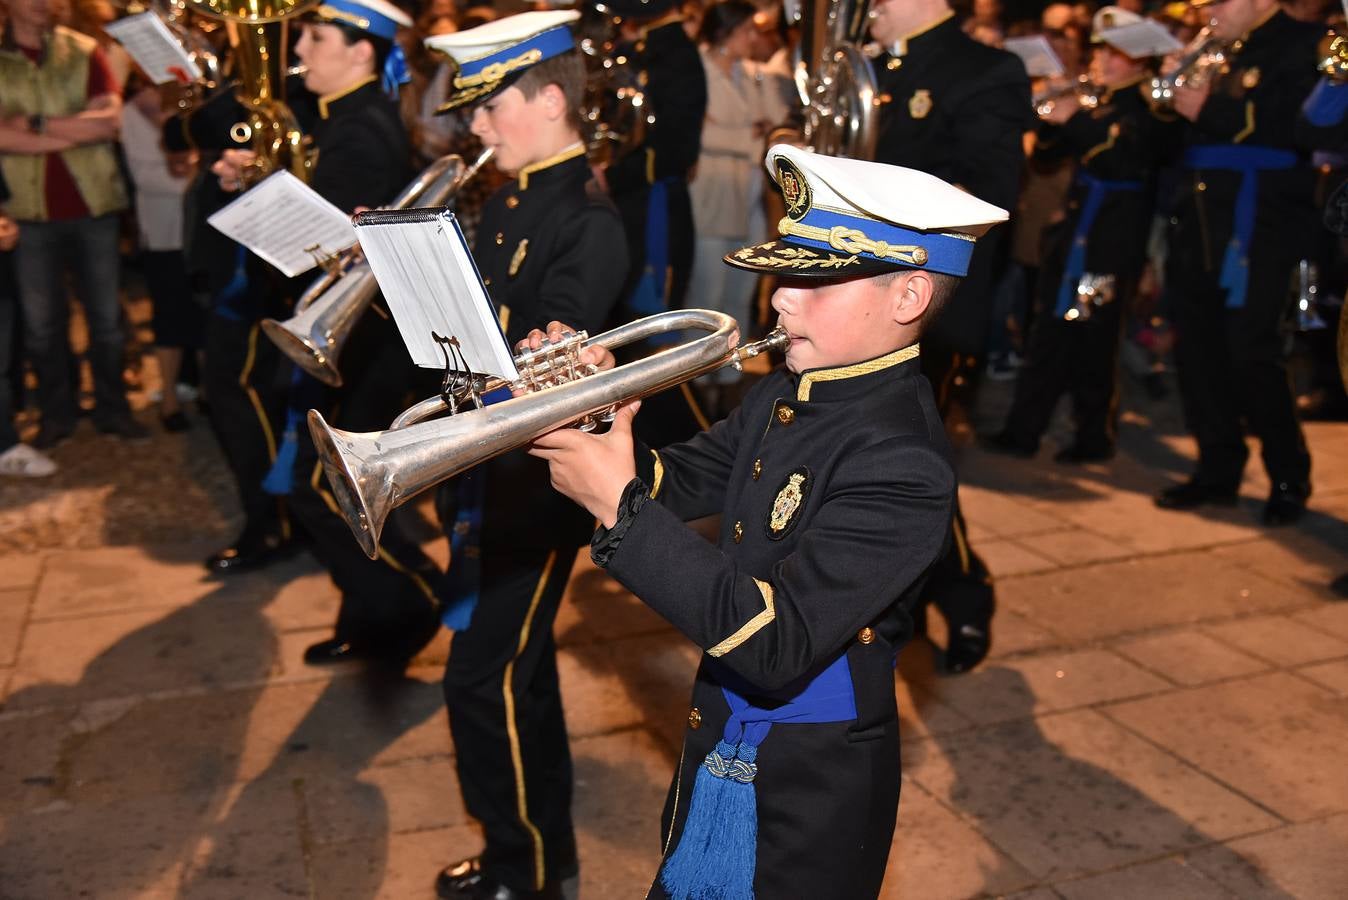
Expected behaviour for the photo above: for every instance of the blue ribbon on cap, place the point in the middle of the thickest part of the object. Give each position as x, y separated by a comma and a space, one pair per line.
395, 71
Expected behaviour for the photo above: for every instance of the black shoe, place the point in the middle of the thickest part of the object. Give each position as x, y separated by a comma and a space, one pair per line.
124, 427
1339, 586
969, 646
1286, 503
175, 422
1005, 444
333, 650
465, 880
51, 435
1080, 455
1193, 493
250, 551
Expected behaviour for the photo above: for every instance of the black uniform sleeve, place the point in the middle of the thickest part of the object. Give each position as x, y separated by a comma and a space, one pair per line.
987, 135
893, 502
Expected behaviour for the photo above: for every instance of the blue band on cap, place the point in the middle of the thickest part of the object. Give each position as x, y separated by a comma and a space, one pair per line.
550, 43
375, 23
872, 239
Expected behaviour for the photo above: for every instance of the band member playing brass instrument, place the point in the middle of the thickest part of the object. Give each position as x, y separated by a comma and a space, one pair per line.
550, 245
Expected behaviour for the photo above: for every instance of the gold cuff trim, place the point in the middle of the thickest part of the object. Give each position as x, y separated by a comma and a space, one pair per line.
571, 152
809, 379
659, 474
753, 626
494, 72
854, 240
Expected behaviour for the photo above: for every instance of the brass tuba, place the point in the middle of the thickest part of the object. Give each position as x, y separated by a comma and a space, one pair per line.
372, 473
834, 78
1333, 52
258, 36
330, 307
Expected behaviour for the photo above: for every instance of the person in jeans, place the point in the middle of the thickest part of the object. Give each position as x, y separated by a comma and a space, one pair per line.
60, 111
16, 457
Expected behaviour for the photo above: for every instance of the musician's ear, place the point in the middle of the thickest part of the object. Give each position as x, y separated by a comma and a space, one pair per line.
553, 101
909, 295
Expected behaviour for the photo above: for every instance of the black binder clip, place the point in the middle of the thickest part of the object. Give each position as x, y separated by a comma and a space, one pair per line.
459, 386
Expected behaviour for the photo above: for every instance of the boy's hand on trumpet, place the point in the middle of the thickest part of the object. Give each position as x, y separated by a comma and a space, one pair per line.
599, 357
592, 469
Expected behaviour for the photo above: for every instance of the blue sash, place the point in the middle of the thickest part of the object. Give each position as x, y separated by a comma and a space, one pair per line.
717, 852
1249, 162
1327, 104
1096, 191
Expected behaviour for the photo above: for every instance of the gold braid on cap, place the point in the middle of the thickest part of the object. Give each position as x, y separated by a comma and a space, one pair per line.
341, 15
494, 72
852, 240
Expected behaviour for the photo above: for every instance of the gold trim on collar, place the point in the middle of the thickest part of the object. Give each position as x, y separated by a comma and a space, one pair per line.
494, 72
659, 477
808, 380
668, 19
337, 95
571, 152
753, 626
854, 240
901, 45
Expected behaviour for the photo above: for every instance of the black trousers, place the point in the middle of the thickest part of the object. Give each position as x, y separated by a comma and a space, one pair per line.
389, 604
505, 715
1077, 358
247, 381
1232, 368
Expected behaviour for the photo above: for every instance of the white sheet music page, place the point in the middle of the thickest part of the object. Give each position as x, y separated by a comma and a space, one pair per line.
287, 223
1037, 54
154, 48
431, 284
1142, 39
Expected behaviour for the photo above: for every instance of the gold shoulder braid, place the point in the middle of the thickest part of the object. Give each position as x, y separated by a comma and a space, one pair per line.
853, 240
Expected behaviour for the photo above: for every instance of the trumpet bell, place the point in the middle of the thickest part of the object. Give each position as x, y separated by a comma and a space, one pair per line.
316, 355
363, 488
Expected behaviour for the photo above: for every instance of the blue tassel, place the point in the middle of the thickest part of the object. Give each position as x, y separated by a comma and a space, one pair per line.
717, 851
279, 480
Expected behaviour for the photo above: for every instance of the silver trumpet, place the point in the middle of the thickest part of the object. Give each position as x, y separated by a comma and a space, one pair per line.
1202, 59
332, 305
372, 473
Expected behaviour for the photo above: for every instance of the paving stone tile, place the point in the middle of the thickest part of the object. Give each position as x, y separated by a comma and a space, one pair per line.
116, 579
596, 608
1308, 561
1133, 520
219, 639
415, 795
1333, 675
1330, 618
31, 775
20, 570
621, 784
1076, 546
1280, 640
13, 616
920, 713
1006, 558
1148, 881
309, 600
1076, 794
1116, 598
392, 867
1039, 893
620, 683
1306, 861
1189, 657
1006, 516
1276, 738
938, 855
1017, 688
255, 849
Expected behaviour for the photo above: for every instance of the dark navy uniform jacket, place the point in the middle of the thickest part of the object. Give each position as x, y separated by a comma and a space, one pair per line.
836, 490
549, 247
959, 110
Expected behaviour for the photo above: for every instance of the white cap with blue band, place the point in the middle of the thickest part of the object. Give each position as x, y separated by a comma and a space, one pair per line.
851, 218
490, 56
378, 17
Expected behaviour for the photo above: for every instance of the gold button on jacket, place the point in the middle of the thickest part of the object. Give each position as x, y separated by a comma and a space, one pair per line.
695, 718
866, 635
786, 415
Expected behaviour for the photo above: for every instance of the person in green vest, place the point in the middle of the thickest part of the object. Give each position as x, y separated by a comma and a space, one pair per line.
60, 113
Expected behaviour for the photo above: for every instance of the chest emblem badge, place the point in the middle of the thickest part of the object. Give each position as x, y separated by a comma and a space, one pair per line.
919, 105
788, 503
1249, 79
518, 259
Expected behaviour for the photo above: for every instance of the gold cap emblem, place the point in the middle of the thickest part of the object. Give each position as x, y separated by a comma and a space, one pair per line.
795, 189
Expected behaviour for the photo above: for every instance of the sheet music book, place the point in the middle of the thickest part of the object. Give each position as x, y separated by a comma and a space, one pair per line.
287, 223
1142, 39
154, 48
431, 284
1037, 54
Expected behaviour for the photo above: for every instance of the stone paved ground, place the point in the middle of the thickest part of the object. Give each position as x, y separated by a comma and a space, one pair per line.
1164, 714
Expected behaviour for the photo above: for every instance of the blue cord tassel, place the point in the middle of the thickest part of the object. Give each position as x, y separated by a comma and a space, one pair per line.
717, 851
279, 480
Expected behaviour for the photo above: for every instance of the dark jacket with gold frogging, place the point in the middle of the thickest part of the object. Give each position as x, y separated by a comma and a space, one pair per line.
836, 491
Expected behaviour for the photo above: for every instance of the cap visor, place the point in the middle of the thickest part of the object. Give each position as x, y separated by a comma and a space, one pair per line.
801, 261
